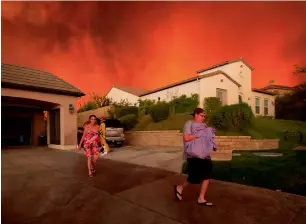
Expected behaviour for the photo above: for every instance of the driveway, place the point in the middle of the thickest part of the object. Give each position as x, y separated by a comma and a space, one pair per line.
42, 185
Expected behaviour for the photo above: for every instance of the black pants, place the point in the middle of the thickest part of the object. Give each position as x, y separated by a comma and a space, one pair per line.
199, 170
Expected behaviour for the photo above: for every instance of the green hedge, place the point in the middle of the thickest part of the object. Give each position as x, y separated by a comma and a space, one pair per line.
184, 104
121, 111
160, 111
128, 121
145, 106
211, 104
236, 117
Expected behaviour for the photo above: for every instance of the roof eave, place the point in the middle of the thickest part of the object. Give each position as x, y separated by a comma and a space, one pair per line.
41, 89
170, 86
225, 63
263, 92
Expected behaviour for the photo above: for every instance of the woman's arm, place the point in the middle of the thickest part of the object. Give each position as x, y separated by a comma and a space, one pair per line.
82, 139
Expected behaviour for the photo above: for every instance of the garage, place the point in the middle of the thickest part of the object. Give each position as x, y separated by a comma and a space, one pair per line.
37, 108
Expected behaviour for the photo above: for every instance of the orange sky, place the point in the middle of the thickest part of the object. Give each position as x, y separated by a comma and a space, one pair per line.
148, 44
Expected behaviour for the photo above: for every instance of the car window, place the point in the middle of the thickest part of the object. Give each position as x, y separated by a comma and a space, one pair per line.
113, 123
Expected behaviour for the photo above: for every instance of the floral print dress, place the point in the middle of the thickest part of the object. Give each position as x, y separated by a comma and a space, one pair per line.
91, 143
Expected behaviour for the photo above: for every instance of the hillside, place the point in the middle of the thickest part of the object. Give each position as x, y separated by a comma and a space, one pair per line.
260, 128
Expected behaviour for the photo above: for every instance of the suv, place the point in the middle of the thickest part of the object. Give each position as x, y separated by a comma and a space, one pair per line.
114, 132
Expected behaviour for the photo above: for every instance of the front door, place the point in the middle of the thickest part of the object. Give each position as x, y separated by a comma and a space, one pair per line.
55, 127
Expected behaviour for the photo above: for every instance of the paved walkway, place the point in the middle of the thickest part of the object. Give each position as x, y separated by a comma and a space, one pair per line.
51, 186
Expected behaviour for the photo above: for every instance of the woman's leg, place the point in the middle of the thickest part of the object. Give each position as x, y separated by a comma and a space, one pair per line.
89, 165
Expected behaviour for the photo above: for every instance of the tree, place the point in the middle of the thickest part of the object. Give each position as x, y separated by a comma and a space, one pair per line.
271, 82
299, 70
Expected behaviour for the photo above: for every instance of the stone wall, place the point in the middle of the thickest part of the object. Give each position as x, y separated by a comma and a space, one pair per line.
175, 138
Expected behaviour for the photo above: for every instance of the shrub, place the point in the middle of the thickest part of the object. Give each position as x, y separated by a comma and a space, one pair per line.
128, 121
89, 105
184, 104
236, 117
211, 104
160, 111
121, 111
145, 106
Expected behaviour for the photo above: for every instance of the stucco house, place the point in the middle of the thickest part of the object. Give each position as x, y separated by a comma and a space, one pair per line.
118, 93
36, 103
230, 81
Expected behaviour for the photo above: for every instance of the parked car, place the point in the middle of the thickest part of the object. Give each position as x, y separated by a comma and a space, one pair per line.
114, 132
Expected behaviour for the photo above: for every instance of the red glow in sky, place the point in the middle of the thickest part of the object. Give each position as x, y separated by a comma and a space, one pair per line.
94, 45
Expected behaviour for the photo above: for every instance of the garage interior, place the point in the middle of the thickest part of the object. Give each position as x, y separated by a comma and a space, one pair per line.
24, 122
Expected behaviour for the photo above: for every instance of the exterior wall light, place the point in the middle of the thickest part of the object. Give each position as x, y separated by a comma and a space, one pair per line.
71, 108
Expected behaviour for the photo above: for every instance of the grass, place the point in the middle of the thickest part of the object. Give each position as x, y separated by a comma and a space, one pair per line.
286, 173
260, 128
264, 128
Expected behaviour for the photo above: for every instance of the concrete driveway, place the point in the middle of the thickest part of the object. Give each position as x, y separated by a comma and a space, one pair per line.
51, 186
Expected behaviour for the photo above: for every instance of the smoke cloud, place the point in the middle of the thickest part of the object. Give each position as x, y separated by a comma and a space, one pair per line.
94, 45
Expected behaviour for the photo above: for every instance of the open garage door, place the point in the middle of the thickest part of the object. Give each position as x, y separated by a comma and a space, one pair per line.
16, 131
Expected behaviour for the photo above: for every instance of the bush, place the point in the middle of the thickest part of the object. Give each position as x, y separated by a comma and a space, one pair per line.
211, 104
160, 111
236, 117
184, 104
145, 106
292, 106
125, 110
89, 105
128, 121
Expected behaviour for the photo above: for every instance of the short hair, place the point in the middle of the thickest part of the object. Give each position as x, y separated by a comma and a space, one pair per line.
197, 110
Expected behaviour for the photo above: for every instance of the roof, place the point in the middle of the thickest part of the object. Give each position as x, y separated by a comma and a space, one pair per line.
263, 91
18, 77
226, 63
191, 80
277, 87
132, 90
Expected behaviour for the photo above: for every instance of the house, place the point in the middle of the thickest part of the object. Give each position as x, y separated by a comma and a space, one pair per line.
231, 81
36, 103
278, 89
129, 94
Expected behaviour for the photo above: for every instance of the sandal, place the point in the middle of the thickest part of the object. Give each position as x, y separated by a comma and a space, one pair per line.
205, 203
93, 171
90, 175
177, 194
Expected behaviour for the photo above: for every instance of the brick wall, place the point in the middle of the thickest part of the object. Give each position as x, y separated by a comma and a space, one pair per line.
175, 138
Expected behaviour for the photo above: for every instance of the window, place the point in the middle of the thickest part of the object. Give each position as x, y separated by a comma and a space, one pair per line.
222, 95
257, 105
266, 103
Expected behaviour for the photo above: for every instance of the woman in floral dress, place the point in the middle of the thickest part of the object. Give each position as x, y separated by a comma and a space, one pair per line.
91, 143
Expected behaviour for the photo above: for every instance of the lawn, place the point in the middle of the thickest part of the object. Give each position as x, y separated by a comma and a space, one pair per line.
286, 173
259, 129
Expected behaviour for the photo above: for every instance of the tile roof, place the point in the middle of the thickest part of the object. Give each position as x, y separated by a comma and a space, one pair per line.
225, 63
13, 76
132, 90
191, 80
277, 87
263, 91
